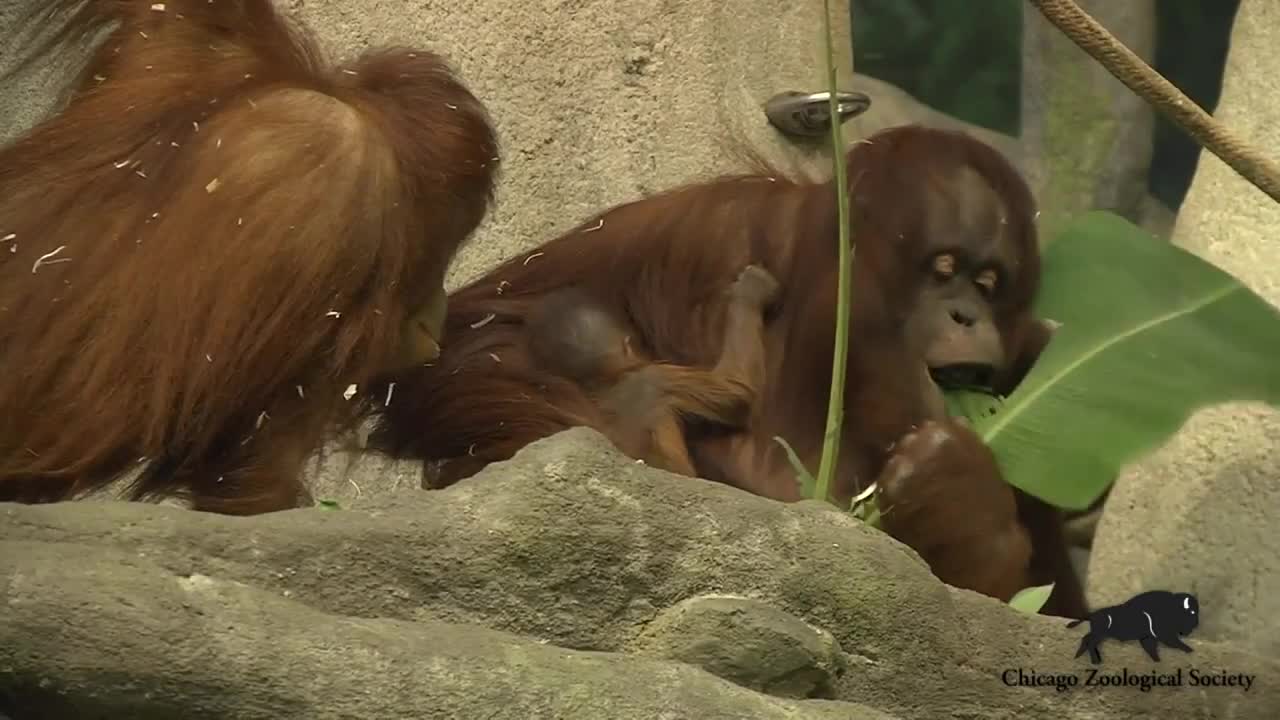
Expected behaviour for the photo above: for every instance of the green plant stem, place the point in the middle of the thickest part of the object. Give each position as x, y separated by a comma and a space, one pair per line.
840, 356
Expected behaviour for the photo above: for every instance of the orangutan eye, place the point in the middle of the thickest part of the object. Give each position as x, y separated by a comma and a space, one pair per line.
987, 280
944, 265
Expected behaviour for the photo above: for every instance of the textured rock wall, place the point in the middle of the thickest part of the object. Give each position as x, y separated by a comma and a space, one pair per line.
1087, 137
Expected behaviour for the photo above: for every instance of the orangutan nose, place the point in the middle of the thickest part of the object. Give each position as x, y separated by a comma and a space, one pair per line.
963, 318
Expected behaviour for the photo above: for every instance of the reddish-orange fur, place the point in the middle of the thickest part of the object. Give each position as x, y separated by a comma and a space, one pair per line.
644, 406
233, 233
657, 262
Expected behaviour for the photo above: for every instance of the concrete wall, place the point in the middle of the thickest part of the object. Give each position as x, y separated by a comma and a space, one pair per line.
596, 101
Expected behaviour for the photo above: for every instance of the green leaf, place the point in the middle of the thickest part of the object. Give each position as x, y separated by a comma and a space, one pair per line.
971, 404
807, 482
328, 504
1030, 600
1149, 334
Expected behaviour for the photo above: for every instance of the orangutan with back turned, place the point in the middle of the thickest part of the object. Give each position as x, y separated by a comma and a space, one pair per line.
214, 240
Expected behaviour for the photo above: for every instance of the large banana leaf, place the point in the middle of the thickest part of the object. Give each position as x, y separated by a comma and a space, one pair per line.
1149, 334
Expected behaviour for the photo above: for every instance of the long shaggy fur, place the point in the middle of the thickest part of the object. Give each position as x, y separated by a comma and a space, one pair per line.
212, 241
660, 263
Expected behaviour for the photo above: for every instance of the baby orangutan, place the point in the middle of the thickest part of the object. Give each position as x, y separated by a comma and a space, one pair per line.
645, 405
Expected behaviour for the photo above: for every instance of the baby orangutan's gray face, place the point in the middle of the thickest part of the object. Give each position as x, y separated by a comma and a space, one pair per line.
424, 330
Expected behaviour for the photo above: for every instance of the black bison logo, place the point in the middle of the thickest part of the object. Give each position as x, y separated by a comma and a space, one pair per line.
1151, 618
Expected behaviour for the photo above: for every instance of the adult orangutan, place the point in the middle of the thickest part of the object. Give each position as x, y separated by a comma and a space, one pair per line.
946, 269
213, 241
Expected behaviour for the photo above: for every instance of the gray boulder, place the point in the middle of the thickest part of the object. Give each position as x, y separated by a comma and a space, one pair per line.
751, 643
537, 588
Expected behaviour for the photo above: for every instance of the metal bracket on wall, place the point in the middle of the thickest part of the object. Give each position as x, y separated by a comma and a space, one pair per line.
802, 114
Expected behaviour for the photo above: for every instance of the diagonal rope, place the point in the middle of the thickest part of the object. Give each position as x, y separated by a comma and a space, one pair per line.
1131, 70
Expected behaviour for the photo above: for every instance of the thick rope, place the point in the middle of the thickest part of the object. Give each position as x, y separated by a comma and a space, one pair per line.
1130, 69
